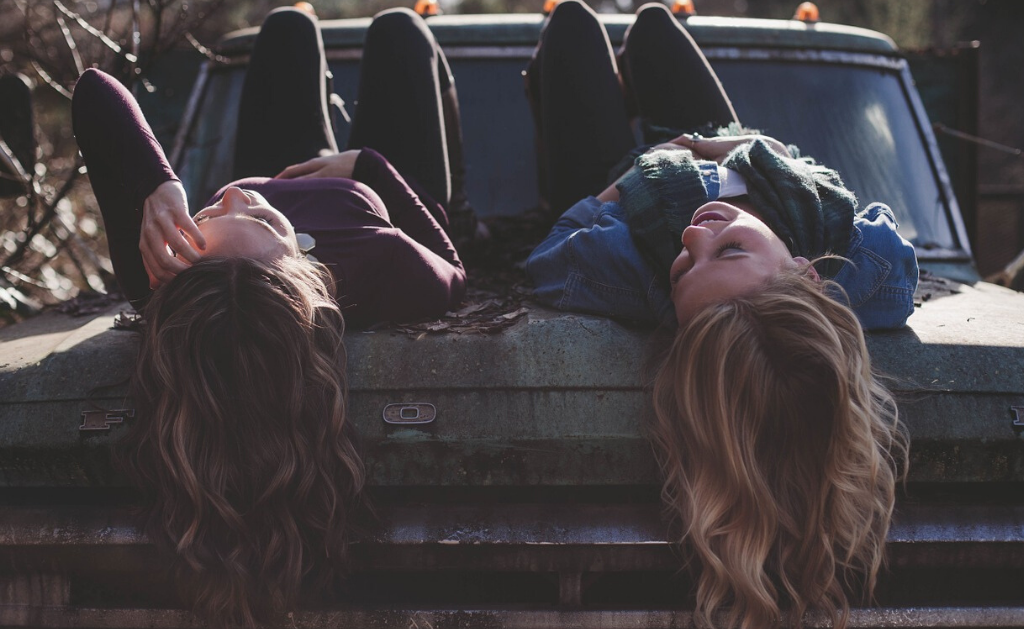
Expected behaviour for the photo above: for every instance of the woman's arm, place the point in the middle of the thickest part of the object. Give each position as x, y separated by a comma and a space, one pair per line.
611, 193
588, 263
418, 216
129, 172
419, 283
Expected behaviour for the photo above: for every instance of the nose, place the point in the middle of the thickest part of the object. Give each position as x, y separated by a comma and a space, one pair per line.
235, 200
694, 238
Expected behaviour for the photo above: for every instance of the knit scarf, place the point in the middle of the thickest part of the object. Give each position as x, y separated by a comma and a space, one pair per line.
805, 204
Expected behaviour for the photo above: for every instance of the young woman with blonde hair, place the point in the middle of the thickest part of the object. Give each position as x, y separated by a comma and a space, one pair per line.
779, 446
241, 444
780, 451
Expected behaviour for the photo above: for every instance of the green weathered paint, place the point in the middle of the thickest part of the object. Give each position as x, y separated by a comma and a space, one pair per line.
556, 400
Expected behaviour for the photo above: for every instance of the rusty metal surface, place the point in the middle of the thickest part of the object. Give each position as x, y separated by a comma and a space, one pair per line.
79, 618
554, 400
515, 537
47, 552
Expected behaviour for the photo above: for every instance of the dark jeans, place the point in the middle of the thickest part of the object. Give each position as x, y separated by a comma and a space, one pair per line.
406, 108
581, 108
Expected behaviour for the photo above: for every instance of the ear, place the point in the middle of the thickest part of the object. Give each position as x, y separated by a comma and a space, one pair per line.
808, 268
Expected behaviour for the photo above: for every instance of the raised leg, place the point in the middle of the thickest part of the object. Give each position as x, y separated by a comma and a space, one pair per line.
283, 116
668, 77
399, 111
578, 108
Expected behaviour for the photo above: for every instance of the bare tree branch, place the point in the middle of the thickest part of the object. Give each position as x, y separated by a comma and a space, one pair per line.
46, 247
203, 50
49, 211
49, 80
88, 28
136, 38
71, 43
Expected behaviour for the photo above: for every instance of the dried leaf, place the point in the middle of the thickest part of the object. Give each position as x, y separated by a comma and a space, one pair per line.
514, 315
470, 309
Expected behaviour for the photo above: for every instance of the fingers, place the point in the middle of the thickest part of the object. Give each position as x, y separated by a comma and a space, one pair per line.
172, 236
296, 171
154, 283
338, 165
165, 221
190, 228
777, 146
160, 264
686, 140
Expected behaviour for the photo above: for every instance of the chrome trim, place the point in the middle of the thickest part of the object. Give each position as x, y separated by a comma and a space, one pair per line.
942, 254
816, 56
451, 52
932, 145
185, 127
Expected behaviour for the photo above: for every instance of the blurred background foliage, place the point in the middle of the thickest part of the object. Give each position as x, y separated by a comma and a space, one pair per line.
51, 235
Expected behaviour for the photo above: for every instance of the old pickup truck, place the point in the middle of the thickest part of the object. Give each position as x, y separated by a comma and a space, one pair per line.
513, 483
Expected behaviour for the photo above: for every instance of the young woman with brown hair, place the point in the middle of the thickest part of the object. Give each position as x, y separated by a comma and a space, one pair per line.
241, 445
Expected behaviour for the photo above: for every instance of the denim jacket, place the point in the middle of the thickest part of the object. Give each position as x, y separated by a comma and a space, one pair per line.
588, 263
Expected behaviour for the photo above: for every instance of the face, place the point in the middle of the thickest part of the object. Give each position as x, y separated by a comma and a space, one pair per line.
243, 224
727, 252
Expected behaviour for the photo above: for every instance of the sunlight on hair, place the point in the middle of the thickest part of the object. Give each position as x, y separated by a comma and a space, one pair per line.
780, 452
242, 446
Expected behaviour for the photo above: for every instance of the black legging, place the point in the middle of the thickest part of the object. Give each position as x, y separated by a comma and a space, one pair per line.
578, 102
406, 111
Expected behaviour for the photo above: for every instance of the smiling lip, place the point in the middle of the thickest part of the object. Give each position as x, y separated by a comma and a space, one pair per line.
706, 216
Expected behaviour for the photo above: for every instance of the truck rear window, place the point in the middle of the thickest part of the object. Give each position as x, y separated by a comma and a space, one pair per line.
854, 119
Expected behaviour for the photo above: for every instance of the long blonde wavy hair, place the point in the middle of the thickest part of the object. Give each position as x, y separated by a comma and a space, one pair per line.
780, 451
241, 444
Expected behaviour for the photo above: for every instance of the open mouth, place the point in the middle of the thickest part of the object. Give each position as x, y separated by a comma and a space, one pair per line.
706, 217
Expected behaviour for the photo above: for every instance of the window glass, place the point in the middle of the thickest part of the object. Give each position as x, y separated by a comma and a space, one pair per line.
856, 120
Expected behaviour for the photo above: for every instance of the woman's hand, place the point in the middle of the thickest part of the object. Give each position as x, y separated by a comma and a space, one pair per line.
338, 165
670, 146
717, 149
164, 217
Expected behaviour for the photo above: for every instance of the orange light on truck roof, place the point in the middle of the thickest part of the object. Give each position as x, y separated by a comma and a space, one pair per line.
806, 12
684, 7
426, 8
549, 6
305, 7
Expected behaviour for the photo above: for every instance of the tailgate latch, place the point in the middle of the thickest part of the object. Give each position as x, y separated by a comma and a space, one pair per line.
410, 413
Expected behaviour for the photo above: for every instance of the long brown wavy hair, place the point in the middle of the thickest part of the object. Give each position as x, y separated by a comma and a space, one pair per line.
780, 451
241, 444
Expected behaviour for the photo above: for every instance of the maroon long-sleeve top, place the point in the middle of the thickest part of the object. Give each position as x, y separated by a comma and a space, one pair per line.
390, 257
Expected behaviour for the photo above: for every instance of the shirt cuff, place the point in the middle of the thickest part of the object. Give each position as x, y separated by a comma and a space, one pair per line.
732, 183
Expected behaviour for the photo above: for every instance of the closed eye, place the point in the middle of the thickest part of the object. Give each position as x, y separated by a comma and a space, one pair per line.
269, 220
734, 246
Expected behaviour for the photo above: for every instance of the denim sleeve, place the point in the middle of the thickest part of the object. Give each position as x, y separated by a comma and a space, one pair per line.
881, 275
588, 263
